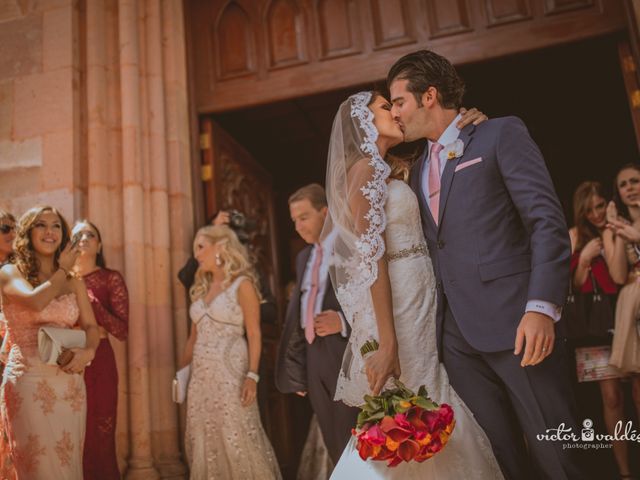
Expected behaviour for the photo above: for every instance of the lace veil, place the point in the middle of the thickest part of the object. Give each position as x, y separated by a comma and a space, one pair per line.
356, 193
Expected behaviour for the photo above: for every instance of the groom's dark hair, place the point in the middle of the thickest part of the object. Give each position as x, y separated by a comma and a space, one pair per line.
424, 69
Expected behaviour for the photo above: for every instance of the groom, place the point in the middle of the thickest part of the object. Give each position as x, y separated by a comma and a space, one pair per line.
500, 248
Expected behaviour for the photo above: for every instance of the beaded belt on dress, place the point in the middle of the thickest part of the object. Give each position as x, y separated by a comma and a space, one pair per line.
420, 249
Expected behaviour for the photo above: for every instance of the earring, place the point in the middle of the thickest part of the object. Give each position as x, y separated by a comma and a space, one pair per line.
218, 260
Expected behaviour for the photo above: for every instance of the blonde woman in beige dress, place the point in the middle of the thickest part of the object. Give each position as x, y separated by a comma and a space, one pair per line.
44, 406
224, 434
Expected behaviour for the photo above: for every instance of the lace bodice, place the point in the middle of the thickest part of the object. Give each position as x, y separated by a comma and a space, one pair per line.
23, 323
403, 235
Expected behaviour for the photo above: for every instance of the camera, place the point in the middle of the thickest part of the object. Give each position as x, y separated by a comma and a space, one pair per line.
241, 225
75, 240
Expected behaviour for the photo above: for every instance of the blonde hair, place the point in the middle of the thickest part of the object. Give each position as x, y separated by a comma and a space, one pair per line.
235, 261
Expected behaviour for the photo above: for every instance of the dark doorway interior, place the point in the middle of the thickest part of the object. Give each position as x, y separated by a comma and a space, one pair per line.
571, 97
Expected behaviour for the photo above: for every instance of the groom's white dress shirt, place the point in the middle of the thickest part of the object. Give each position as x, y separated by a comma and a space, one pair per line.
450, 135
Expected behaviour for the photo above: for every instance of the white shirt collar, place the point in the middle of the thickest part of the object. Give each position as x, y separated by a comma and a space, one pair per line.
450, 134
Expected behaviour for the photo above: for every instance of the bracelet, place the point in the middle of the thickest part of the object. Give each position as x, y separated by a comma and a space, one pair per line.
253, 376
66, 273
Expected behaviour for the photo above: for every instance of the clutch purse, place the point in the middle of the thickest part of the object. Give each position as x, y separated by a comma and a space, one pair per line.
592, 364
54, 344
180, 384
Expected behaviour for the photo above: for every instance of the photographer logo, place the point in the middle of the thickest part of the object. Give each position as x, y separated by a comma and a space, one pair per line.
588, 438
588, 433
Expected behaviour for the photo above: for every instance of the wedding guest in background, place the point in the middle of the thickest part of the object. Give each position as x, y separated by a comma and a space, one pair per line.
224, 434
315, 333
44, 406
624, 218
7, 234
315, 462
110, 302
595, 249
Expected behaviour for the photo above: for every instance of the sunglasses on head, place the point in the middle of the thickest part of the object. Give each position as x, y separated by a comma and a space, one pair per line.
4, 228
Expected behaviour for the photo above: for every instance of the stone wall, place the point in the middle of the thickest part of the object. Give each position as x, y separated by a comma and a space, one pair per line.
39, 105
94, 120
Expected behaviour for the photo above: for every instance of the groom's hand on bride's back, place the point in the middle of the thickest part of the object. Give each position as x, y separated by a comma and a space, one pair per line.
536, 333
472, 115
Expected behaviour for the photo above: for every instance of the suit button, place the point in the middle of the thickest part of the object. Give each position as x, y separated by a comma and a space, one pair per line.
439, 285
440, 244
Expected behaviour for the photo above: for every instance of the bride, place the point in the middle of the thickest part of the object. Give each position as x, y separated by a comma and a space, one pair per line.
385, 283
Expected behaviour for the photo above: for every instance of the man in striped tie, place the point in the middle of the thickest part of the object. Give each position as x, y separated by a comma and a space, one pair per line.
315, 333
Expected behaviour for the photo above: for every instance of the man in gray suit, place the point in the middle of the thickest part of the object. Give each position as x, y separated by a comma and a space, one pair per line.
315, 333
500, 248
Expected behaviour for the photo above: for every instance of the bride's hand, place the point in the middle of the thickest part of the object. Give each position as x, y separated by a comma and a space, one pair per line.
249, 392
381, 365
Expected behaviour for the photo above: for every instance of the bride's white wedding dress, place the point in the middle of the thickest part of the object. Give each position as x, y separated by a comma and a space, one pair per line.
468, 455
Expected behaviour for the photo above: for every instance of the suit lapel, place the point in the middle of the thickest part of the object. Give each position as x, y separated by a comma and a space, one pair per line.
466, 135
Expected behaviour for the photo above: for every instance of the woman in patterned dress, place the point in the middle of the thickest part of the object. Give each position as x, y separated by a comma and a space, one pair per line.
7, 234
110, 301
224, 435
43, 406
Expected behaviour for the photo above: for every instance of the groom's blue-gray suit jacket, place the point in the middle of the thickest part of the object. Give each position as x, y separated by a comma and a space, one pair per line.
501, 238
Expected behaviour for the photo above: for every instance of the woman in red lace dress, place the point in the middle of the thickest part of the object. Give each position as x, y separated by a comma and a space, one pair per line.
110, 302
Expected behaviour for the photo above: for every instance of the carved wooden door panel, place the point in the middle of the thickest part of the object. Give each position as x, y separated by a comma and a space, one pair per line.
233, 180
629, 54
250, 52
630, 74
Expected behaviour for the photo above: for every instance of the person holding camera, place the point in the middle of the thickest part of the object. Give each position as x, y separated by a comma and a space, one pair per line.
110, 302
44, 405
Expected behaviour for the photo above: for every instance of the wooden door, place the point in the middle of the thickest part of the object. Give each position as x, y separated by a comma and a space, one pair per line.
250, 52
232, 179
629, 54
629, 66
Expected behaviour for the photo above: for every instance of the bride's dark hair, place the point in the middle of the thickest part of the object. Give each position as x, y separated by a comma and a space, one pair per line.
399, 164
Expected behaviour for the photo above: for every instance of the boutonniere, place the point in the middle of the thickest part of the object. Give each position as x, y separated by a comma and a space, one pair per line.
454, 150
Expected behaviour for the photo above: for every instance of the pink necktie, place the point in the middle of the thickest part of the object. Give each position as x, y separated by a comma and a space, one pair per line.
309, 332
434, 180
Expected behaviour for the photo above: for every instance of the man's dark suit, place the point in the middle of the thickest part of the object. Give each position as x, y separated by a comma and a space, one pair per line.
500, 241
314, 368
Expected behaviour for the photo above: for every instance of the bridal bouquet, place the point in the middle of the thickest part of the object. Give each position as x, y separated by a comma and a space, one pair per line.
399, 425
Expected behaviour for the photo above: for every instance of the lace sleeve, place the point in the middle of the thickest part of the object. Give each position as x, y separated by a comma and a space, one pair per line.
115, 317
